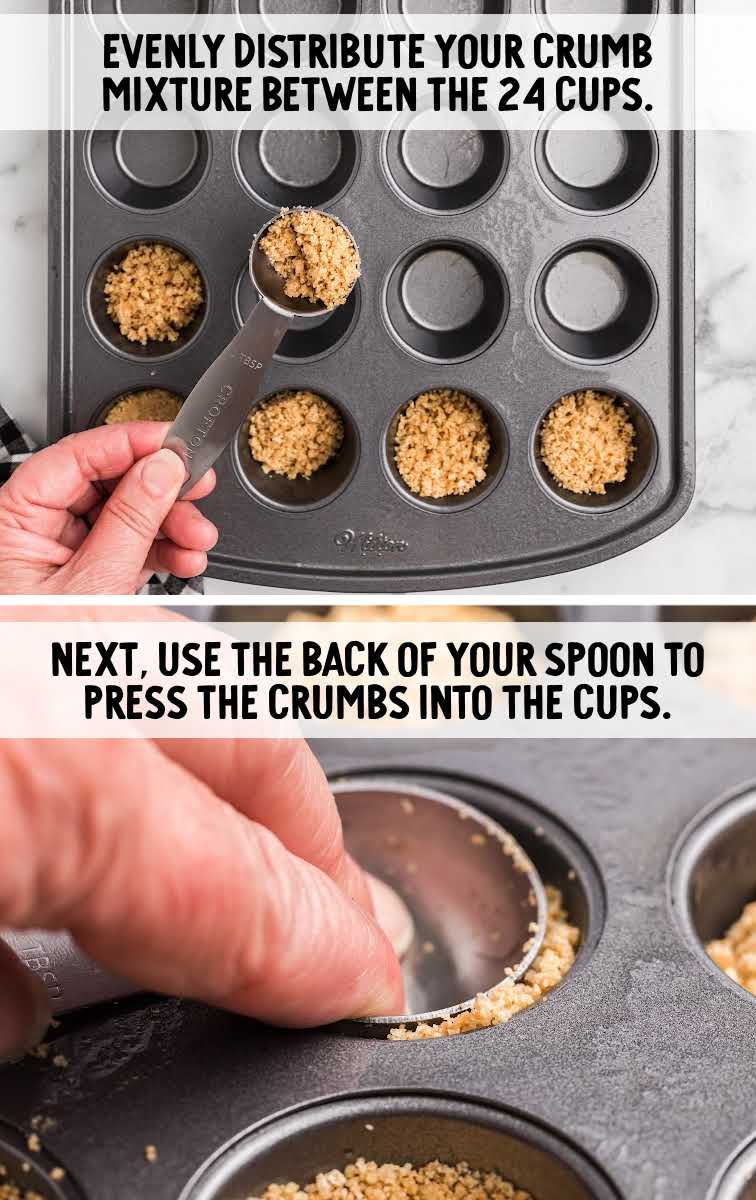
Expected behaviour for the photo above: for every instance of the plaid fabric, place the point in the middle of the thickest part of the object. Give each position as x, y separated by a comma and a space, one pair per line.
16, 447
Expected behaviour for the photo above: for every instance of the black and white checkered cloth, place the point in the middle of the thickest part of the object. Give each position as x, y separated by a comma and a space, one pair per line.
16, 447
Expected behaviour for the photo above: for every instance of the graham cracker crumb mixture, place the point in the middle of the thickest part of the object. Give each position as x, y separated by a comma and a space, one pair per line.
735, 953
151, 1154
364, 1180
420, 614
33, 1143
442, 444
295, 433
9, 1191
553, 961
588, 441
149, 404
314, 254
154, 293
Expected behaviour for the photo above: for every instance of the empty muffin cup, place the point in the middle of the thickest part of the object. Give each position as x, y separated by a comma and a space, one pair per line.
445, 301
406, 1127
639, 470
305, 342
595, 301
291, 168
445, 171
597, 170
105, 328
596, 8
495, 467
148, 170
298, 8
714, 874
133, 10
301, 494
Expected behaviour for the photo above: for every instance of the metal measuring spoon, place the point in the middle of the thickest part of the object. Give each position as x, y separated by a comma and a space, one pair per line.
217, 405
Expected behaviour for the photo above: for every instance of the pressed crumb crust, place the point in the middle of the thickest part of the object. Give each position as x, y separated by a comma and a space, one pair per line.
295, 434
587, 441
364, 1180
501, 1003
442, 444
735, 953
314, 254
153, 293
150, 404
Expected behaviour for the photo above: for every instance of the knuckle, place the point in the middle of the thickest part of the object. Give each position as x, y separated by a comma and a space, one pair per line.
131, 516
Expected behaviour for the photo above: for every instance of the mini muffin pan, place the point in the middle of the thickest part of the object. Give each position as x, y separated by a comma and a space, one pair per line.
515, 266
631, 1080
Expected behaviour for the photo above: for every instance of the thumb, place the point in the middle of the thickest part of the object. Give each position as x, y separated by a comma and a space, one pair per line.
113, 556
24, 1006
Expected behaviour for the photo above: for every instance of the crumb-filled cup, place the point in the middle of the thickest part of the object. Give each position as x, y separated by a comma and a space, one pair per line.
639, 470
302, 494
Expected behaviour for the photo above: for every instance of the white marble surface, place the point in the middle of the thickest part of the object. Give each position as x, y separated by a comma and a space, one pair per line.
711, 551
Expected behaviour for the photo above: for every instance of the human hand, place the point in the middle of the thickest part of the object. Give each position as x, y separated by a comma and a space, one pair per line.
214, 870
61, 533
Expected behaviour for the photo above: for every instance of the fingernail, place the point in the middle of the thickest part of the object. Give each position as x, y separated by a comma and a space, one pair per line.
162, 473
392, 914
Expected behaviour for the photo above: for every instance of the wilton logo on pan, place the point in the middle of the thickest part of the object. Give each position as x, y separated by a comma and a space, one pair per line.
209, 419
350, 541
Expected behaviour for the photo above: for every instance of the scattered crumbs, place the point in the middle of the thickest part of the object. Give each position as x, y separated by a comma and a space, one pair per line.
153, 293
40, 1051
57, 1173
429, 948
33, 1143
41, 1123
735, 953
477, 839
501, 1003
370, 1128
148, 404
407, 806
314, 254
539, 830
587, 441
61, 1061
442, 444
150, 1153
26, 1167
295, 433
571, 874
364, 1180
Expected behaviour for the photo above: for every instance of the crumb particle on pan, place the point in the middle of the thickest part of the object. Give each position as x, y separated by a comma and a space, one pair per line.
295, 433
587, 441
442, 444
435, 1180
735, 953
151, 1154
57, 1174
60, 1061
148, 404
154, 293
314, 254
33, 1143
501, 1003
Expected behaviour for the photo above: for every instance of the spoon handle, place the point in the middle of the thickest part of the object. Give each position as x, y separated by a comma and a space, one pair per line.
217, 405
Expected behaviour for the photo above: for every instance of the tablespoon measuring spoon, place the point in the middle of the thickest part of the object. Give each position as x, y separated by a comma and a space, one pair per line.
217, 405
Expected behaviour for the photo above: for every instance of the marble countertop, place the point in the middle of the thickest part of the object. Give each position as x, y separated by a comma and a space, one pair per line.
711, 551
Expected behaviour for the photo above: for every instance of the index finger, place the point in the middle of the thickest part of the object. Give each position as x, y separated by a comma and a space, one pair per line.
60, 476
280, 784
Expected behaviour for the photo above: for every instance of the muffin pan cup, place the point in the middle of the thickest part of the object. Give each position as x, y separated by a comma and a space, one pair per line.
452, 266
635, 1070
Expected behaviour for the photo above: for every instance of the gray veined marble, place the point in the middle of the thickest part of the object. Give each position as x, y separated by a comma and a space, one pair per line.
711, 551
